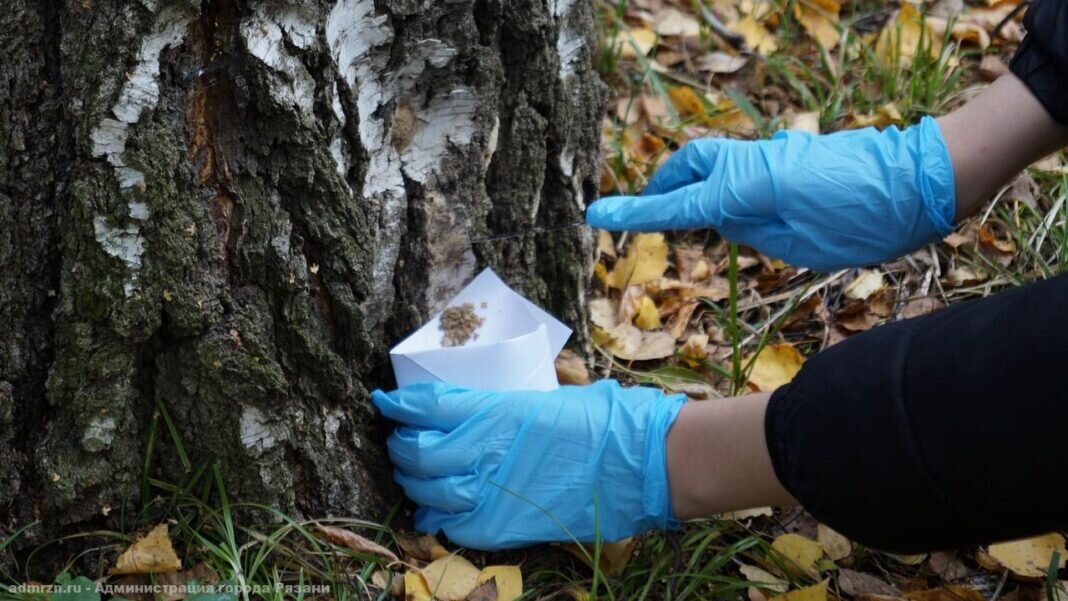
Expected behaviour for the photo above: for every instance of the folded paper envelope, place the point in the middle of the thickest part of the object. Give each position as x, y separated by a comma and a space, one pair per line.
515, 348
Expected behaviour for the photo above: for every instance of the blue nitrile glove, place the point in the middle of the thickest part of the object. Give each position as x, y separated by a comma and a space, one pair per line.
825, 202
498, 470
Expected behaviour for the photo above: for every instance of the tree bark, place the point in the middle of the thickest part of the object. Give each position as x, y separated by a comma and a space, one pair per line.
217, 217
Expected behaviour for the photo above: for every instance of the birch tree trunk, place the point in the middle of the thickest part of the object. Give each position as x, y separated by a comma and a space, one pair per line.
220, 215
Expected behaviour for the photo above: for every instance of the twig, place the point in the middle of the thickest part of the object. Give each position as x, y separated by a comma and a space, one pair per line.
733, 38
1012, 15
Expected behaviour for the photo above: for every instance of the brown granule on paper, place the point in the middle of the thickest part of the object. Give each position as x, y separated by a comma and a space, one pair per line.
460, 325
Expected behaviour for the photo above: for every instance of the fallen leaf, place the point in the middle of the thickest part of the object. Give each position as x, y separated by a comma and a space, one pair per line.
834, 545
688, 103
614, 555
807, 122
630, 344
956, 240
486, 591
801, 555
631, 42
674, 22
645, 261
604, 313
856, 317
571, 369
701, 271
757, 37
909, 560
745, 514
867, 283
630, 303
355, 542
764, 579
509, 581
676, 326
820, 20
415, 587
855, 584
921, 306
605, 245
1030, 557
948, 566
816, 592
695, 350
720, 62
905, 36
648, 317
451, 578
950, 592
577, 594
887, 114
150, 554
423, 548
776, 365
964, 276
996, 237
390, 581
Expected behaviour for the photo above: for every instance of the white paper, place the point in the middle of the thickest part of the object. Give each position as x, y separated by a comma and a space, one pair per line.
516, 347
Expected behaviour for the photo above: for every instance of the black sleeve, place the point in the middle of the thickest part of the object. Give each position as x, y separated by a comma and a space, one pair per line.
936, 432
1042, 59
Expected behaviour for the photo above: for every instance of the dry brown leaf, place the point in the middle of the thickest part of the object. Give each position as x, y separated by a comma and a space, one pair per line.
887, 114
757, 37
355, 542
386, 580
645, 261
856, 317
150, 554
835, 545
816, 592
571, 369
948, 566
995, 237
764, 579
820, 20
776, 365
950, 592
485, 591
1030, 557
964, 276
695, 350
605, 245
956, 240
801, 555
806, 122
676, 325
451, 578
630, 303
701, 271
909, 560
856, 584
415, 587
422, 548
627, 342
604, 313
745, 514
921, 306
509, 581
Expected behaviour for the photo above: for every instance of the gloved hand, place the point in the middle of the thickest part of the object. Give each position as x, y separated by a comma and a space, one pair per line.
497, 470
825, 202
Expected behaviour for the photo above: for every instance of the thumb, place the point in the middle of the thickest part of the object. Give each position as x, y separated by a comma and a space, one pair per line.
680, 209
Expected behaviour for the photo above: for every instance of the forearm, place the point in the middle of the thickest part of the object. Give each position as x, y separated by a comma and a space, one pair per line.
994, 137
718, 458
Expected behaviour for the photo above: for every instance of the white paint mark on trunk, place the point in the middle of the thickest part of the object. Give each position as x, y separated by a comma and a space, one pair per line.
569, 48
256, 432
292, 85
448, 120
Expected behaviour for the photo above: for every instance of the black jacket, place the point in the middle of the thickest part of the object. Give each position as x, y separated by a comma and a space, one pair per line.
1042, 60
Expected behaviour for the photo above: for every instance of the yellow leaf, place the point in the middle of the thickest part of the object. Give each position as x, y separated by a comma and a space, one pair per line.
646, 260
834, 545
816, 592
674, 22
648, 317
802, 555
867, 283
149, 554
776, 365
632, 41
807, 122
687, 102
451, 578
1030, 557
415, 587
764, 579
601, 272
509, 581
819, 18
887, 114
757, 37
614, 555
903, 38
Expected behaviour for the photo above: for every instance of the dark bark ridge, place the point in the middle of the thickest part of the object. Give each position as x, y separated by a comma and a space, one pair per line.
224, 213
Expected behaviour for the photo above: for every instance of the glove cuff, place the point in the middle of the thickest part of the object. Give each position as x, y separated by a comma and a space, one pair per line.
937, 181
656, 493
